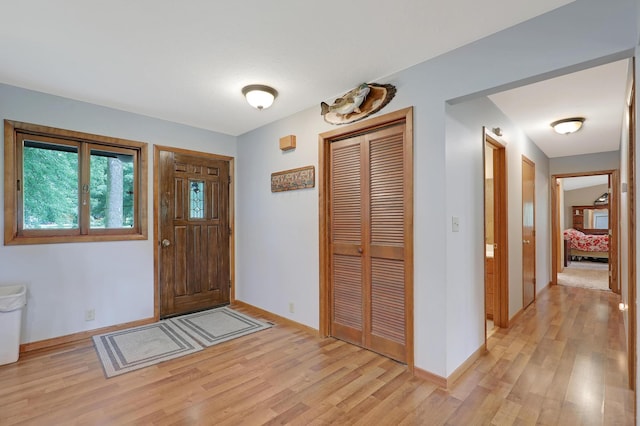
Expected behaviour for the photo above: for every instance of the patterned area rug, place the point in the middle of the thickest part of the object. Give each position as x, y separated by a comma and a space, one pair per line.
128, 350
593, 275
138, 347
218, 325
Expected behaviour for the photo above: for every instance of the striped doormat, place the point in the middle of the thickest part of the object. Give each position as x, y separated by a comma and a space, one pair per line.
128, 350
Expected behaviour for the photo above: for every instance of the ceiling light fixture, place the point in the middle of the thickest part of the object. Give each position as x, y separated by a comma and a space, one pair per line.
259, 96
568, 125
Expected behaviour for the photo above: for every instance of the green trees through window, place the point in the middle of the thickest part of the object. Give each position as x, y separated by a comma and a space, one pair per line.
72, 186
111, 190
50, 194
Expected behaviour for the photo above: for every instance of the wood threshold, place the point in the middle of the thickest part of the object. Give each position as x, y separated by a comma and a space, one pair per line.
70, 338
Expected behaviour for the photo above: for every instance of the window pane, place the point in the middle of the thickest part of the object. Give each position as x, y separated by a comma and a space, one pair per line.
111, 189
50, 186
196, 200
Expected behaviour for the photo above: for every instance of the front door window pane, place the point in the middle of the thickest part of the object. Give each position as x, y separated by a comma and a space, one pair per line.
196, 210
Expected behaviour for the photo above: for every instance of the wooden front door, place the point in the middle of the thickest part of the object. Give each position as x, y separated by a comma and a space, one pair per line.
367, 241
528, 232
194, 233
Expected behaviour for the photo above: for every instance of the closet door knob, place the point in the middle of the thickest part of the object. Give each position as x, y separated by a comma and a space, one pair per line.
166, 243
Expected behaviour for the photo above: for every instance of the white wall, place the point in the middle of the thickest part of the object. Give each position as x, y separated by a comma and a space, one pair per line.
114, 278
465, 285
623, 223
580, 197
277, 233
564, 40
585, 163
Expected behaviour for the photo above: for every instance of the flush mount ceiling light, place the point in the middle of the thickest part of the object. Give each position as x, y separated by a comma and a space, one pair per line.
259, 96
568, 125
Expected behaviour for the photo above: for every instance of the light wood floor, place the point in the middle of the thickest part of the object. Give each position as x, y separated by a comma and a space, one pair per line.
562, 363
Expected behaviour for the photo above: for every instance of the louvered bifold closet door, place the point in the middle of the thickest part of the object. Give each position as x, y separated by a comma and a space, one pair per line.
385, 306
368, 231
346, 240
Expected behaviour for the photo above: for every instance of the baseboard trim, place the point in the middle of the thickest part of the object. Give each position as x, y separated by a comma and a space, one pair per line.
546, 287
430, 377
446, 383
274, 317
458, 372
516, 317
70, 338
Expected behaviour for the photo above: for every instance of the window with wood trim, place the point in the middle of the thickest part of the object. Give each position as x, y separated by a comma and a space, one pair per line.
65, 186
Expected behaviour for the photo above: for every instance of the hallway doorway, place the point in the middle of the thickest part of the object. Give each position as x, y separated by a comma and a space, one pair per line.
496, 291
585, 230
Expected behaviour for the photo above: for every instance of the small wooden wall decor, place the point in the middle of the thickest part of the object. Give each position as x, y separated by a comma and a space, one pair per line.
358, 103
288, 142
288, 180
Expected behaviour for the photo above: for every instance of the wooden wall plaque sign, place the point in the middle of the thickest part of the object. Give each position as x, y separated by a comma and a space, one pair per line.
288, 180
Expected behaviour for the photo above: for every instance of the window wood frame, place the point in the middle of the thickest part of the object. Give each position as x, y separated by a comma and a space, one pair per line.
14, 234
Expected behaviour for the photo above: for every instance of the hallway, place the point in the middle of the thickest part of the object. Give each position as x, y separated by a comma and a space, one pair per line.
562, 363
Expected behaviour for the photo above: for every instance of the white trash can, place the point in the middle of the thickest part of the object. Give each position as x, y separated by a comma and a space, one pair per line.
12, 299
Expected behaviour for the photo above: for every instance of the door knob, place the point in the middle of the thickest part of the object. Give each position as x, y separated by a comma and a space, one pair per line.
166, 243
360, 250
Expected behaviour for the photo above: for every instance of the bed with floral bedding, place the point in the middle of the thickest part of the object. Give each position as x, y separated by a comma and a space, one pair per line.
587, 245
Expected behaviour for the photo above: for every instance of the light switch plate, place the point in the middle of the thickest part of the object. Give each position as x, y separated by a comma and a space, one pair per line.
455, 224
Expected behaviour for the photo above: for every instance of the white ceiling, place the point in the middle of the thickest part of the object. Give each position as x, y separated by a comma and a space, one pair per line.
187, 61
598, 94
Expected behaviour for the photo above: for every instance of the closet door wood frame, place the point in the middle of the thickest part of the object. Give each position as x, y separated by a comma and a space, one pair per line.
404, 116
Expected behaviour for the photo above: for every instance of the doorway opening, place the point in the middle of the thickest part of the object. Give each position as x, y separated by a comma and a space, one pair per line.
585, 230
496, 290
193, 223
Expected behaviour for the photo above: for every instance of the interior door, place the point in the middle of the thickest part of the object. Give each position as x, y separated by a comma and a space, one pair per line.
367, 241
194, 233
528, 232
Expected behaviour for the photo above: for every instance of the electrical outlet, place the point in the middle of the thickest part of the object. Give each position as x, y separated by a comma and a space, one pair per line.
291, 307
89, 314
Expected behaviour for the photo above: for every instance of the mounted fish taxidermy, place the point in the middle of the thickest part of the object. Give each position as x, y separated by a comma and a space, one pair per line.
358, 103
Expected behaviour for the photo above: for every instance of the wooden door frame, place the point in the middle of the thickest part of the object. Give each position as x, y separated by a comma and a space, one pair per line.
156, 218
501, 236
614, 182
324, 140
535, 277
631, 258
